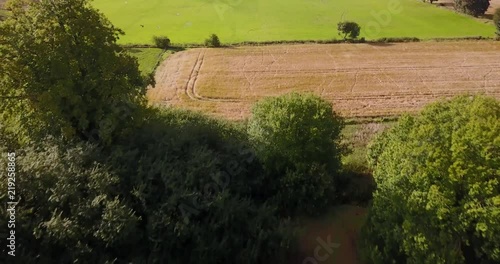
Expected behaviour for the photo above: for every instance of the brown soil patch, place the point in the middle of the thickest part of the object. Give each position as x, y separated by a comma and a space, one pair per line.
360, 79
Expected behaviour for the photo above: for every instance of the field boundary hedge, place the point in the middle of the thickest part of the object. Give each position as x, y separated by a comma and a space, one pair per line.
179, 47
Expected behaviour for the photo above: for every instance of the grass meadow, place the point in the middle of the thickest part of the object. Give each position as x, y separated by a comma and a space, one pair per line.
191, 21
148, 58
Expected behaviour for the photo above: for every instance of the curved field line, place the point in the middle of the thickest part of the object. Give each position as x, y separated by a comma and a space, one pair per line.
190, 88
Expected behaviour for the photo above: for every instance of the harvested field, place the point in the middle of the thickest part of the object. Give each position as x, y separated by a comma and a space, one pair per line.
362, 80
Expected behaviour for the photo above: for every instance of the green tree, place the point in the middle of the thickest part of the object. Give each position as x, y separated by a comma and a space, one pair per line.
162, 42
212, 41
197, 185
69, 208
348, 30
438, 186
472, 7
297, 138
62, 67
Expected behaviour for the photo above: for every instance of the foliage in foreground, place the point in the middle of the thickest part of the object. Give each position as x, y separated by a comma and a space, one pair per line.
173, 188
181, 189
69, 209
438, 186
297, 138
61, 67
197, 184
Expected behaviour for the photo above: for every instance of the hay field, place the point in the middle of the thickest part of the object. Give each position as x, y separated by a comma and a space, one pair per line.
362, 80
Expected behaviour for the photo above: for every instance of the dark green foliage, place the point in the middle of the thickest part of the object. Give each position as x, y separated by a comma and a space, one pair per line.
472, 7
181, 189
213, 41
62, 69
438, 186
69, 207
298, 140
348, 29
171, 187
162, 42
197, 185
496, 20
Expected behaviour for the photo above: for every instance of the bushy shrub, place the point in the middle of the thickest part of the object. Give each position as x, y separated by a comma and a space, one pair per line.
69, 209
297, 138
472, 7
93, 89
182, 188
348, 29
438, 187
197, 185
212, 41
162, 42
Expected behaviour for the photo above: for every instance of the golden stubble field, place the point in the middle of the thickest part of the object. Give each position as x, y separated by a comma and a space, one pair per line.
361, 80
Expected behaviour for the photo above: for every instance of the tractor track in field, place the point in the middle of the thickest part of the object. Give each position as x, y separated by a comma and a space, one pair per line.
190, 88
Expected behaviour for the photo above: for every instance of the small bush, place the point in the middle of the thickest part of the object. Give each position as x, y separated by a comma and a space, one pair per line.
496, 20
162, 42
212, 41
348, 30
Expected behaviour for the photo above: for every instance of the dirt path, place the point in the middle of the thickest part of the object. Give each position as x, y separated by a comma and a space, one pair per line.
332, 238
360, 80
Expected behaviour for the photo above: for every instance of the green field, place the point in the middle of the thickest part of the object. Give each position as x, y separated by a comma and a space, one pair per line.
191, 21
148, 58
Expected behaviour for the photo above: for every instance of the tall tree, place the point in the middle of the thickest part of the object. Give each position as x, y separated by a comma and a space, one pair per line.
61, 66
438, 186
297, 138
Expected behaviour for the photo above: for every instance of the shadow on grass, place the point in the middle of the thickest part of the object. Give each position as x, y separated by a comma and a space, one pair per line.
139, 49
380, 44
176, 49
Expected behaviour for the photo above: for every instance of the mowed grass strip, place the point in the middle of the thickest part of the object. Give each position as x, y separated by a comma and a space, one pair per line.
191, 21
360, 79
148, 58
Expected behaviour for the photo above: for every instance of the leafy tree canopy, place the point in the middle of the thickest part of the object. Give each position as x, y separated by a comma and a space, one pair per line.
63, 72
348, 29
197, 184
438, 186
69, 209
297, 138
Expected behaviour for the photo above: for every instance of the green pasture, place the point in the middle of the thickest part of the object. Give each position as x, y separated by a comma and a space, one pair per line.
191, 21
